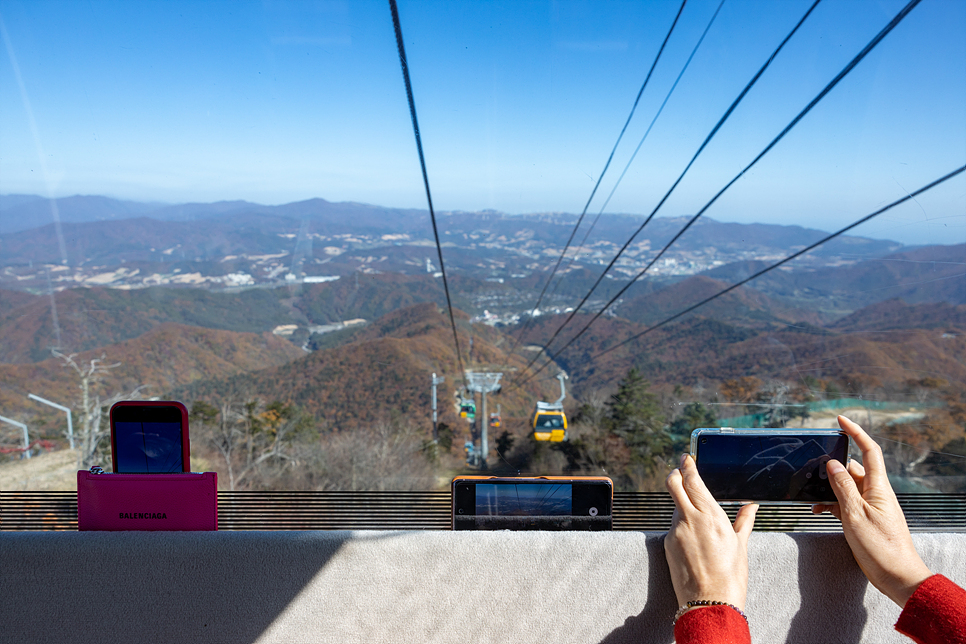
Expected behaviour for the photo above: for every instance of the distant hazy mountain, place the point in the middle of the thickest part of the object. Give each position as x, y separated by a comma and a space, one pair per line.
195, 211
12, 200
202, 227
22, 212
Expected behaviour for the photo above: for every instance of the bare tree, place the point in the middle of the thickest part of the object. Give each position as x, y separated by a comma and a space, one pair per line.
255, 441
379, 457
92, 429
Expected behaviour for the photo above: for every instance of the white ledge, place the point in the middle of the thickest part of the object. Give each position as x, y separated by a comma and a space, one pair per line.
433, 586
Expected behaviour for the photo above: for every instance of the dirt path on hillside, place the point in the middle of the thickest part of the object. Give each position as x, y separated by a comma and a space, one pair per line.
49, 471
869, 419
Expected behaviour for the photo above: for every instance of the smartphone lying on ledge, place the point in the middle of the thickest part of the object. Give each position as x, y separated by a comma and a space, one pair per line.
149, 437
768, 465
532, 503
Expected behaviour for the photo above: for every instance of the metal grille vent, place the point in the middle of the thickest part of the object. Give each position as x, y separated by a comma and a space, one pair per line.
430, 510
334, 510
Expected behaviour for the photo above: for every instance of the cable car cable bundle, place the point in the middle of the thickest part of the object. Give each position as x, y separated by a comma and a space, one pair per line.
786, 260
599, 179
842, 74
707, 140
627, 166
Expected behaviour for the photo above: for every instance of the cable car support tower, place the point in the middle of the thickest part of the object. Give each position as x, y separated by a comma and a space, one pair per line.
483, 382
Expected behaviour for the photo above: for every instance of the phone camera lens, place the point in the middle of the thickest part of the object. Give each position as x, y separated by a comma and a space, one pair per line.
704, 440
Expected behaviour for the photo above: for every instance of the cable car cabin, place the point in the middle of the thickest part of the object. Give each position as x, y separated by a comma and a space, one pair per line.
468, 410
549, 421
550, 425
495, 421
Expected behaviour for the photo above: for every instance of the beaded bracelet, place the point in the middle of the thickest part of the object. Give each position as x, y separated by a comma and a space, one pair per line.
704, 602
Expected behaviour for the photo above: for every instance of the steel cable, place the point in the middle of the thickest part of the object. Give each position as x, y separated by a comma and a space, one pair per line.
707, 140
786, 260
422, 165
597, 185
842, 74
627, 166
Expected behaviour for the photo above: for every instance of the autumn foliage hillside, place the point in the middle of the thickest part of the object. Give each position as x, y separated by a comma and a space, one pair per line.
744, 305
167, 357
383, 375
896, 314
701, 350
98, 317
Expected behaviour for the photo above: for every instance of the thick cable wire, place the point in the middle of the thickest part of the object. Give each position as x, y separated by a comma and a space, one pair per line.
597, 185
707, 140
824, 240
842, 74
422, 165
638, 148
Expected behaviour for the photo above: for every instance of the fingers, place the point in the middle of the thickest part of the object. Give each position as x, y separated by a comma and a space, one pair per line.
745, 521
819, 508
675, 485
858, 475
697, 491
844, 487
675, 519
871, 452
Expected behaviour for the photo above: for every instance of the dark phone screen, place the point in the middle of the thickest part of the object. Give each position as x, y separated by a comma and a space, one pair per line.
524, 499
526, 505
147, 440
769, 468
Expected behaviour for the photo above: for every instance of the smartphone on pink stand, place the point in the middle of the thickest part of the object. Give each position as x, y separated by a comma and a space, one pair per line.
150, 437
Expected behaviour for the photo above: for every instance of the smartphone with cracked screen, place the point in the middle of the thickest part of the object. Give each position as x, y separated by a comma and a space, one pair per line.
768, 465
532, 503
149, 437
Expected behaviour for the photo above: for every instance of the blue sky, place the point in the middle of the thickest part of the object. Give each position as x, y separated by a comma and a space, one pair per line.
519, 104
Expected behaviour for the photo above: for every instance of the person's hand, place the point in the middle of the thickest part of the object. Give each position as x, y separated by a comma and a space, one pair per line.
872, 520
707, 556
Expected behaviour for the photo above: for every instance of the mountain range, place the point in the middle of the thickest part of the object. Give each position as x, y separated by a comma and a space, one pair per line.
147, 286
106, 231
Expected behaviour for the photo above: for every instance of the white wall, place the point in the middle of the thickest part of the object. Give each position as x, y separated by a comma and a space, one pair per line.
420, 587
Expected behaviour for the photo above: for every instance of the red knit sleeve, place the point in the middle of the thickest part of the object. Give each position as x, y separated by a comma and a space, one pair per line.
712, 625
936, 613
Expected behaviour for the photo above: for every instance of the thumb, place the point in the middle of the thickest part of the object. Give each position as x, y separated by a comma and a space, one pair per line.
745, 521
843, 485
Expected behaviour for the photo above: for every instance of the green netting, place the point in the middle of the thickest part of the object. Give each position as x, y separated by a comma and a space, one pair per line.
760, 420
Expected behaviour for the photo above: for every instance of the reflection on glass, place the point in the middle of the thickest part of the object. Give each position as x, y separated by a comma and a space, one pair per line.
549, 421
524, 499
225, 206
148, 448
